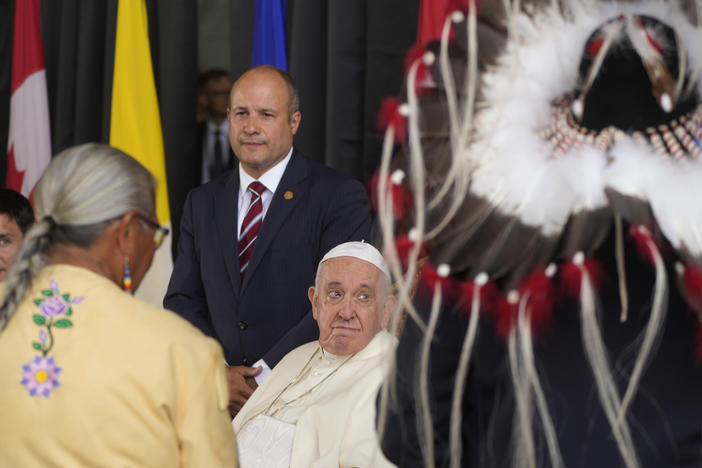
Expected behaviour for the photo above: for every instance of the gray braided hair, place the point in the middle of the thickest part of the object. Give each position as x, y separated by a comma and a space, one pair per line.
83, 189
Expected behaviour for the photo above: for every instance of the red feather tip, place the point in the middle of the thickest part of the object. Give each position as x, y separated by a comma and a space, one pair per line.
404, 246
643, 238
692, 283
488, 295
430, 277
424, 79
541, 292
389, 115
571, 274
506, 316
402, 199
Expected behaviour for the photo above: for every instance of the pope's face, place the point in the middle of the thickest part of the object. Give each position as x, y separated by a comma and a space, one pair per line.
260, 127
350, 303
10, 243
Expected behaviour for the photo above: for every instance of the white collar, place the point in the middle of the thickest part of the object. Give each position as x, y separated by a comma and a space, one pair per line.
270, 179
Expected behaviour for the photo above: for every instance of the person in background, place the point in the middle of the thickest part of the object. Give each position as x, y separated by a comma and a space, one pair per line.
317, 407
216, 156
210, 154
90, 374
251, 239
16, 217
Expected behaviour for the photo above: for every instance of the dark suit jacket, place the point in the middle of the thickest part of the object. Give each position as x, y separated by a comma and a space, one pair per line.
269, 314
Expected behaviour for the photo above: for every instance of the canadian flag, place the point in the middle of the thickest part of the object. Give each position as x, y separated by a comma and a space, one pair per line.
29, 139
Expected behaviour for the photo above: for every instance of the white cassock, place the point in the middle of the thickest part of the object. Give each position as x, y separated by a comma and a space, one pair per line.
316, 410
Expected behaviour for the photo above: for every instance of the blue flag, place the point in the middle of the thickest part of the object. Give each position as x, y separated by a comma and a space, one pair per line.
269, 44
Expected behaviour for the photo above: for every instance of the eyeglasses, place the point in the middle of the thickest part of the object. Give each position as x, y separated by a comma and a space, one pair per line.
160, 232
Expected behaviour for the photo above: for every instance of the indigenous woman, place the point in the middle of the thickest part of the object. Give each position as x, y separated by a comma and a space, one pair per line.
90, 375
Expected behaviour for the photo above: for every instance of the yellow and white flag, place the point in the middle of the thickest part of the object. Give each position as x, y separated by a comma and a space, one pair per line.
135, 127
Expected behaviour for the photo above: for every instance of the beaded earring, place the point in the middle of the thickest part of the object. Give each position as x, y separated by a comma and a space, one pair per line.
127, 277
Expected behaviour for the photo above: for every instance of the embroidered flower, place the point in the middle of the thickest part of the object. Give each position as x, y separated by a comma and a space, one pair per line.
53, 306
40, 376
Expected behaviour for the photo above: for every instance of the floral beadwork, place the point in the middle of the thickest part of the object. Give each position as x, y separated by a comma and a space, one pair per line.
40, 375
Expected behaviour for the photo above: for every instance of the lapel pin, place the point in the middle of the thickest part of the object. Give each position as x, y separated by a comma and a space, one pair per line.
288, 195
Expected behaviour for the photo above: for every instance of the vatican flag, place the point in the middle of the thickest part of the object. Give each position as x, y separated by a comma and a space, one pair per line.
135, 127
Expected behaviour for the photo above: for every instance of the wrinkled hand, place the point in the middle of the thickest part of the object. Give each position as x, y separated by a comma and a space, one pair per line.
241, 385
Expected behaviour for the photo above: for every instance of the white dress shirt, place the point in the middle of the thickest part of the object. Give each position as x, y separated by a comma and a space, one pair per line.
270, 179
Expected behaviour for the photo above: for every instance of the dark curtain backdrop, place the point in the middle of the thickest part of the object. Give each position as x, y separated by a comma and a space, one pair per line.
345, 56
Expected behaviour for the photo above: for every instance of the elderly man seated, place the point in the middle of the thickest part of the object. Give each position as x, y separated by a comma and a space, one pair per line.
317, 407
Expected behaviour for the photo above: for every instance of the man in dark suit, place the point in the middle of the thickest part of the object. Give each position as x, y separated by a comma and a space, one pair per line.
251, 239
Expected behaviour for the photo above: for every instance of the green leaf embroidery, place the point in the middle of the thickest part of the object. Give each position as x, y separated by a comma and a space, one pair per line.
63, 323
69, 311
36, 345
47, 292
39, 319
38, 301
66, 297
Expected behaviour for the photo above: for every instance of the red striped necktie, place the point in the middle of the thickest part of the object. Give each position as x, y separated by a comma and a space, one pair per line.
250, 226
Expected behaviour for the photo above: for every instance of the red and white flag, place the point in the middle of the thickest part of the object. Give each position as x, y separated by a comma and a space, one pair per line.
29, 140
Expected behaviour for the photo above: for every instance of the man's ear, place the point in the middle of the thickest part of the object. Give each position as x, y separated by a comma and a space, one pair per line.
313, 301
295, 121
390, 305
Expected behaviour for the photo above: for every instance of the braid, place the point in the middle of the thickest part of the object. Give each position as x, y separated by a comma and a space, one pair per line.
30, 261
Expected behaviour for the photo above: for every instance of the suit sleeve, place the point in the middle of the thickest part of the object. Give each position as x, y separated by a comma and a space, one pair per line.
186, 295
347, 218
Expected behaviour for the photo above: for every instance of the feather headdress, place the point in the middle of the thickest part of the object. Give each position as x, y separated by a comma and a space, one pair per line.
590, 120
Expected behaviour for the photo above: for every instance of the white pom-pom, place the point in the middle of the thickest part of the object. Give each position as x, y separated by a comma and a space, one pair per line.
577, 108
551, 270
443, 270
579, 258
413, 235
481, 279
666, 102
513, 297
428, 58
397, 176
679, 268
404, 109
457, 16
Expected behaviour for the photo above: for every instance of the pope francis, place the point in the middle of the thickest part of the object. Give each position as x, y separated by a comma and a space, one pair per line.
317, 407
